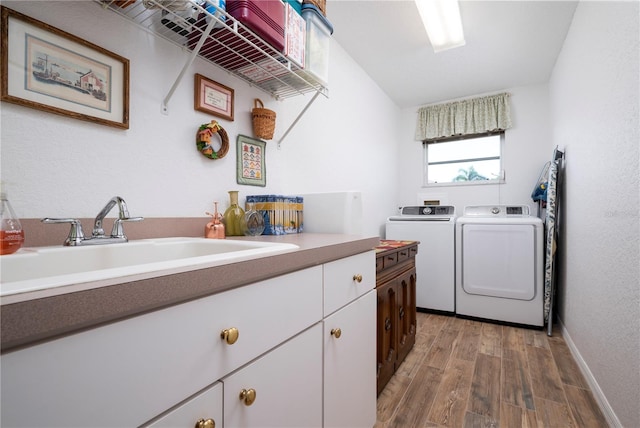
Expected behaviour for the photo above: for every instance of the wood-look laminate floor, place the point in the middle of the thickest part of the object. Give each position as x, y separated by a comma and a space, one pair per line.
466, 373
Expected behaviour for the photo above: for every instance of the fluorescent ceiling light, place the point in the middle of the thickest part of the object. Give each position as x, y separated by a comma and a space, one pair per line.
441, 19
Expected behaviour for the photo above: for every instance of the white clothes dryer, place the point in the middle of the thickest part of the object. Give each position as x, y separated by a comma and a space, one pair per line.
499, 264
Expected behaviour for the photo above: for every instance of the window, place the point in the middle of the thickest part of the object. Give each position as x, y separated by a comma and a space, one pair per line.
472, 159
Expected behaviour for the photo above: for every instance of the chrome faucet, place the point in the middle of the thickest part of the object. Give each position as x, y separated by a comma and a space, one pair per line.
123, 215
76, 236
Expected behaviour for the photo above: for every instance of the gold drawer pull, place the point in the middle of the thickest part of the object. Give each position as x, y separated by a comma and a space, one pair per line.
336, 332
248, 396
209, 423
230, 335
357, 278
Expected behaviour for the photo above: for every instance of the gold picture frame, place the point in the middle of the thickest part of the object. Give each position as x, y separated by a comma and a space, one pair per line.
213, 98
48, 69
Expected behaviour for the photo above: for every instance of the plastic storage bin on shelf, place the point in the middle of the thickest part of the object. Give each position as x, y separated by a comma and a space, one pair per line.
318, 39
264, 17
296, 4
294, 35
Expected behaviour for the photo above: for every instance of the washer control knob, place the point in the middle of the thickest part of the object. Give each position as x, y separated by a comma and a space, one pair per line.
427, 210
495, 210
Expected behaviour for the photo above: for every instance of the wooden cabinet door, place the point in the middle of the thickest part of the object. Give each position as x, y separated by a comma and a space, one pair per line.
386, 327
287, 382
406, 304
350, 365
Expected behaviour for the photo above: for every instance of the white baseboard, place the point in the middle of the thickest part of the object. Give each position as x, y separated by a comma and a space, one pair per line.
605, 407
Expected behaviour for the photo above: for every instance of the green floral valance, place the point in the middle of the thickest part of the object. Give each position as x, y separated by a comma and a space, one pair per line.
466, 117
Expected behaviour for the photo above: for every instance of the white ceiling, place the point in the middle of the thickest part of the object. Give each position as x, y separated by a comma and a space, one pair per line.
508, 44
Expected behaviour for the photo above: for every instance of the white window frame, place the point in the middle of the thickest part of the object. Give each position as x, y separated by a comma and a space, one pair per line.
425, 163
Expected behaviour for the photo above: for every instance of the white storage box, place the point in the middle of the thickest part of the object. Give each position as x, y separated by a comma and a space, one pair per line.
319, 30
294, 35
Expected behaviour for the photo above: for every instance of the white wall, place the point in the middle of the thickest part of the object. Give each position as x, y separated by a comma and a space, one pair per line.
60, 167
348, 142
527, 147
594, 105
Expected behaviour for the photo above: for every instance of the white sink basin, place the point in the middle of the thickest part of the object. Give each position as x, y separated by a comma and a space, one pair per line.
40, 268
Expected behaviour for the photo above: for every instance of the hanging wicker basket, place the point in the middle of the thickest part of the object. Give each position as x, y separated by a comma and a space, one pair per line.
320, 4
264, 120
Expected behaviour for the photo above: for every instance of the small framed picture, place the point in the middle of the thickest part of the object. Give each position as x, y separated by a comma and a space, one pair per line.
251, 168
49, 69
213, 98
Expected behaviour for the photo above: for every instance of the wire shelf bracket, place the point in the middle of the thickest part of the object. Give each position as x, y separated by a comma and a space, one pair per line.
295, 122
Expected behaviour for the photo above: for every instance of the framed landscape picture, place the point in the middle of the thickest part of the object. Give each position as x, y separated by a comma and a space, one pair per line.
251, 168
49, 69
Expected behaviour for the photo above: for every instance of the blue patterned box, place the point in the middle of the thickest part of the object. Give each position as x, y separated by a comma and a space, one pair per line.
282, 214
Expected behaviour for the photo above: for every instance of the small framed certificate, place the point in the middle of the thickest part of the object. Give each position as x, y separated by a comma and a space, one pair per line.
213, 98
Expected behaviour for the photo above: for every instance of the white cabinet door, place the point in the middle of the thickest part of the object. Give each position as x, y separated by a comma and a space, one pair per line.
202, 411
287, 383
347, 279
128, 372
350, 365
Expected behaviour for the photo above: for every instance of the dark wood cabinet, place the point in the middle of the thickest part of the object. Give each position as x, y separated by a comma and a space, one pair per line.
396, 313
386, 334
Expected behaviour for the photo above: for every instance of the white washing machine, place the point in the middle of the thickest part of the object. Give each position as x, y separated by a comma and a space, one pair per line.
499, 264
434, 227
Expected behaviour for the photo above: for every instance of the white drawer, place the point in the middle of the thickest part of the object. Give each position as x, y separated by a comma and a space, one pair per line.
347, 279
287, 383
204, 406
128, 372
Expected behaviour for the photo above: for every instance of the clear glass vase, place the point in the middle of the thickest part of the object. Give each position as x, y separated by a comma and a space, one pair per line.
233, 216
253, 221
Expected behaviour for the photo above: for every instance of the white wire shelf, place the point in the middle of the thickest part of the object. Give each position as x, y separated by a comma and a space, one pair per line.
225, 43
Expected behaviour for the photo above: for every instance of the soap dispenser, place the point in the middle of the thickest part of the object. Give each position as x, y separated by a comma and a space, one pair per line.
214, 229
11, 233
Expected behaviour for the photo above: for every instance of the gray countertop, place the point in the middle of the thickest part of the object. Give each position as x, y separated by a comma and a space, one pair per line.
38, 317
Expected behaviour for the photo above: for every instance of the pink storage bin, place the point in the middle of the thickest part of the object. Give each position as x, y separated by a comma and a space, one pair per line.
264, 17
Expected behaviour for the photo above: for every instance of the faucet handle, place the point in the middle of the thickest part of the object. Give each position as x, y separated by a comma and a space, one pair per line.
76, 235
118, 230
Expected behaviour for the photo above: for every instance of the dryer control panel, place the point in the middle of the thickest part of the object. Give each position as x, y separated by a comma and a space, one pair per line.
497, 211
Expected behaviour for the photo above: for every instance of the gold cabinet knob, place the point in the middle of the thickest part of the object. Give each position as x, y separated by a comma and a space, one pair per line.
208, 423
230, 335
357, 278
336, 332
248, 396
